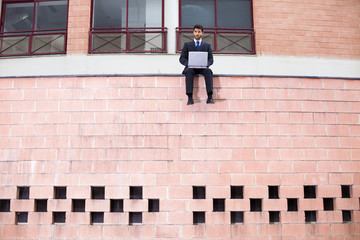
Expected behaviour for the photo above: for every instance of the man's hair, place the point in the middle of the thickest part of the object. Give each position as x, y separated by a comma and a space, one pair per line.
198, 26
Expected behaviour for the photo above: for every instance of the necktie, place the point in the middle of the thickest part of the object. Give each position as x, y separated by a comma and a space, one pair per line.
197, 45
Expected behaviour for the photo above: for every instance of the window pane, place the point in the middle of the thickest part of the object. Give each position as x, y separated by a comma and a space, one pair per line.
109, 13
51, 15
18, 17
145, 13
234, 14
198, 12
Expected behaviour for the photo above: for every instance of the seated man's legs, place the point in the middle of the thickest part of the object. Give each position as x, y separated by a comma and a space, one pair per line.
208, 75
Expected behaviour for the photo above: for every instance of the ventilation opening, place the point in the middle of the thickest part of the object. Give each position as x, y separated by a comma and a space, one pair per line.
345, 191
40, 205
237, 217
237, 192
154, 205
5, 205
292, 204
117, 205
198, 192
21, 217
60, 192
23, 192
310, 216
219, 205
97, 192
136, 193
346, 215
97, 217
328, 204
78, 205
59, 217
198, 218
274, 216
135, 218
309, 192
255, 205
273, 192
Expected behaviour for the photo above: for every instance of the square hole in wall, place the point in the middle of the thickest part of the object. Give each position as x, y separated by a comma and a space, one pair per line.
21, 217
116, 205
40, 205
345, 191
136, 192
198, 218
23, 192
59, 217
255, 205
60, 192
96, 217
237, 217
309, 191
273, 192
346, 216
135, 218
218, 205
78, 205
199, 192
154, 205
274, 216
97, 192
292, 204
310, 216
237, 192
4, 205
328, 204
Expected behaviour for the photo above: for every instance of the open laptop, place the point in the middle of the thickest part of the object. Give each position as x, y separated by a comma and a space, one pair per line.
198, 59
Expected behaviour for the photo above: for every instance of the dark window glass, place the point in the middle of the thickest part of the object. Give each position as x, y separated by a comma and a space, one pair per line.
51, 15
60, 192
135, 218
116, 205
4, 205
198, 12
292, 204
40, 205
109, 14
78, 205
199, 192
23, 192
237, 217
136, 193
237, 192
18, 17
59, 217
234, 14
198, 218
154, 205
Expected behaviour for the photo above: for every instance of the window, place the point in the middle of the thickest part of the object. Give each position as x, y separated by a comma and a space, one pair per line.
199, 192
33, 27
309, 191
154, 205
219, 205
78, 205
198, 218
97, 192
60, 192
4, 205
59, 217
237, 217
21, 217
255, 205
237, 192
116, 205
136, 193
228, 24
40, 205
127, 26
135, 218
23, 192
273, 192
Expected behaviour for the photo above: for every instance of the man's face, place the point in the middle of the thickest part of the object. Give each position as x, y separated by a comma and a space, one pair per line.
197, 33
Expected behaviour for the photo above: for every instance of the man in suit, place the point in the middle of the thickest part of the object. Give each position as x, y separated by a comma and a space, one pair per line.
197, 45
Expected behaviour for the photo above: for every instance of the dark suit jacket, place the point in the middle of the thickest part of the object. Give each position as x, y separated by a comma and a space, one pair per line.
190, 46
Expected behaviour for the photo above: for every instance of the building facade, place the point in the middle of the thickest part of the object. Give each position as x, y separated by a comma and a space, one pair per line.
97, 142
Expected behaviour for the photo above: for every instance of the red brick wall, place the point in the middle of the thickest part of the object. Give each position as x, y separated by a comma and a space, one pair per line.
325, 28
118, 132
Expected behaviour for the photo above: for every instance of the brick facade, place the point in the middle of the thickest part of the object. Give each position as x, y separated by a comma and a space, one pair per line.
117, 132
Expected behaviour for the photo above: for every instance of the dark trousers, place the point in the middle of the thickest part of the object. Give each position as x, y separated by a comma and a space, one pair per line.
189, 78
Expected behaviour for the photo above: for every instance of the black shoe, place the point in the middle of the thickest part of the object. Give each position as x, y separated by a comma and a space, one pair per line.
190, 101
210, 100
